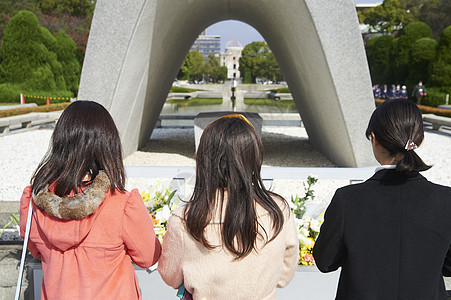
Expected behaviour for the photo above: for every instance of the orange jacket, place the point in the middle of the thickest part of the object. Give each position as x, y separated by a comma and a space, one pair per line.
91, 258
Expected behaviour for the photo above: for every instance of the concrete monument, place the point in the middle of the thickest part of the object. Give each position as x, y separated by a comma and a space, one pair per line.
136, 48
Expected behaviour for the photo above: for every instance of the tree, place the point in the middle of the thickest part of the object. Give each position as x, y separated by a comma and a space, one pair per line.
388, 17
422, 52
195, 64
400, 59
441, 68
78, 8
25, 58
212, 67
435, 13
378, 55
33, 60
257, 60
66, 54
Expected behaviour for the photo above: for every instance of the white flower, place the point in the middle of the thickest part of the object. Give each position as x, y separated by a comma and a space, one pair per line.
163, 214
291, 205
304, 231
315, 225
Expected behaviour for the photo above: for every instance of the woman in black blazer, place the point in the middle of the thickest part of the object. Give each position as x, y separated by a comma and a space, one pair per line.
391, 234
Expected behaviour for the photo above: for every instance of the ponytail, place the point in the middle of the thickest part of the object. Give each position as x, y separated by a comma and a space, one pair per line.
398, 127
411, 164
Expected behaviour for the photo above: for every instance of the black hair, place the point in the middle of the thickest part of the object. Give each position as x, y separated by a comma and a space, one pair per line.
85, 141
228, 161
395, 123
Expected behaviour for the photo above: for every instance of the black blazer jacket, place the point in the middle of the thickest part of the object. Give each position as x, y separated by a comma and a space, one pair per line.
390, 235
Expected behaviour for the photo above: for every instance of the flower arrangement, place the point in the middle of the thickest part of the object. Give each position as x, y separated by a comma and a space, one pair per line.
160, 205
307, 226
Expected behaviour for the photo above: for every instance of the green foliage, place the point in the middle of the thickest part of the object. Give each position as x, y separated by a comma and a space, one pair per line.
422, 53
388, 17
222, 74
378, 54
36, 62
299, 211
160, 199
78, 8
257, 60
9, 93
195, 65
176, 89
435, 97
435, 13
269, 102
13, 219
400, 59
66, 53
441, 68
23, 54
195, 101
281, 90
51, 44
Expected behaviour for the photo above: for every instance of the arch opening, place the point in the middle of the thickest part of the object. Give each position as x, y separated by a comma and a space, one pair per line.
321, 58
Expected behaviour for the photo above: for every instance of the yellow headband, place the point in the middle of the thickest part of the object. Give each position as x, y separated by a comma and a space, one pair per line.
239, 116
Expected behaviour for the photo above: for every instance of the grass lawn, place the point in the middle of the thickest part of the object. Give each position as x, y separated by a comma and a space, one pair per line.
266, 101
195, 101
6, 104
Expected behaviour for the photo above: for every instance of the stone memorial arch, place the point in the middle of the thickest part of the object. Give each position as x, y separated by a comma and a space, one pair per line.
136, 48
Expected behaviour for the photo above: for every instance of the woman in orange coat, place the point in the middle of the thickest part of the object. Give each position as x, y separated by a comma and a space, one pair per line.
86, 228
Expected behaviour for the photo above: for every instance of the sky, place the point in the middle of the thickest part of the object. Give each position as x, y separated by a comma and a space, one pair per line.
245, 34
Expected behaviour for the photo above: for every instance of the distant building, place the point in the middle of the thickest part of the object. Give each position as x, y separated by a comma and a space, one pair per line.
231, 58
206, 44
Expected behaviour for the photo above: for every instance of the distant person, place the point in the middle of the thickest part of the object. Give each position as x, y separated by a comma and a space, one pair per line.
404, 94
391, 234
376, 92
419, 91
86, 229
385, 94
234, 239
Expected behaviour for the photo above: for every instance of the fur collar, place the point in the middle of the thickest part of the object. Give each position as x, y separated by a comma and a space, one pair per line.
77, 206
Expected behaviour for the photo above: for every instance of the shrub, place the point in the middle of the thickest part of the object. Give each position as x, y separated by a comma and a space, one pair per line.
400, 52
9, 93
378, 55
441, 68
176, 89
66, 53
25, 59
422, 53
435, 97
281, 90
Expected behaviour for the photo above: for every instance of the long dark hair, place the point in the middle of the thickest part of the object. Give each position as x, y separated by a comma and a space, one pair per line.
229, 160
395, 124
85, 141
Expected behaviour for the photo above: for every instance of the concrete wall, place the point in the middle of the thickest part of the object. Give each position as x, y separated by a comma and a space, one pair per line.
135, 50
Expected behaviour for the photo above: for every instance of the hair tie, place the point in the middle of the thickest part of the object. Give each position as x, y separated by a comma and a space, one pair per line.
410, 145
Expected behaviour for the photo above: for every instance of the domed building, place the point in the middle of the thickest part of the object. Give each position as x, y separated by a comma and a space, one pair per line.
231, 58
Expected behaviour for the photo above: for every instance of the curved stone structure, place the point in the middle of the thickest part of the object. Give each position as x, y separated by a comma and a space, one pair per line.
135, 50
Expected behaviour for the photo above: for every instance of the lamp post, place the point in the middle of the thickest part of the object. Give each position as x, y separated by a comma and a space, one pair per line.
233, 98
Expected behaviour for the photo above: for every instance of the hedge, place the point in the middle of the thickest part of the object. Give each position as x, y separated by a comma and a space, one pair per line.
281, 90
176, 89
26, 110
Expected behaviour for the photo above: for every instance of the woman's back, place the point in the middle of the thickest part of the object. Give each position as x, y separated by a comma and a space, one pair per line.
90, 258
396, 233
215, 274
